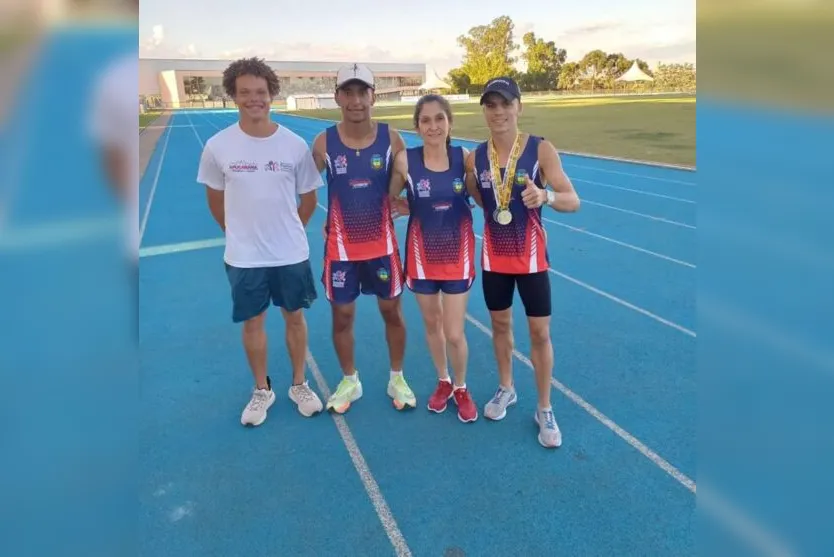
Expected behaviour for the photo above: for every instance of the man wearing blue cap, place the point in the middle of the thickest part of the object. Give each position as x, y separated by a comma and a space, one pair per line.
507, 175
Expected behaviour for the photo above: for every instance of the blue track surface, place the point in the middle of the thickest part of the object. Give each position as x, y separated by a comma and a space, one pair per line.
625, 350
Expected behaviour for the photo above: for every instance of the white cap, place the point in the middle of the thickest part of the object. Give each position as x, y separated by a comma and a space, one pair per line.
355, 72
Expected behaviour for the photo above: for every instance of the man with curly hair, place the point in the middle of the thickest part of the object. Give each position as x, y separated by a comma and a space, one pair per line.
254, 171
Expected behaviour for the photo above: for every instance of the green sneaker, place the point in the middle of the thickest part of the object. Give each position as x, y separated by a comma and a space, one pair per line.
401, 393
348, 391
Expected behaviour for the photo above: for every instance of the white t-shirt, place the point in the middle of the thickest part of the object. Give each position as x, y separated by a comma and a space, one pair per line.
261, 178
114, 116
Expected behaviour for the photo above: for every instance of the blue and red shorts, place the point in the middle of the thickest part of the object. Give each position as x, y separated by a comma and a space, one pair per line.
381, 277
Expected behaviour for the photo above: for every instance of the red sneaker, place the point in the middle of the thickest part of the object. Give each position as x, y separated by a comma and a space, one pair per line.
437, 401
467, 410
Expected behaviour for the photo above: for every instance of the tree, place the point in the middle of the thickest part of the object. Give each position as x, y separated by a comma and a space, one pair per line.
593, 66
458, 80
544, 62
680, 77
569, 75
488, 50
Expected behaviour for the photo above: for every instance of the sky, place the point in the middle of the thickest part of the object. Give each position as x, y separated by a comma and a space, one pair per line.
422, 31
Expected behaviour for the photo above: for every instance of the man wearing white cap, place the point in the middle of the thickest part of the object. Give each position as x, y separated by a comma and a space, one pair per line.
361, 250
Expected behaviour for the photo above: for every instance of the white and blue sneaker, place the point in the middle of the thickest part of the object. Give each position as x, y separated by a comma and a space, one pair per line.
549, 434
496, 409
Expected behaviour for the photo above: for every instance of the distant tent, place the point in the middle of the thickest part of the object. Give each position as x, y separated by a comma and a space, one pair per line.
433, 82
634, 73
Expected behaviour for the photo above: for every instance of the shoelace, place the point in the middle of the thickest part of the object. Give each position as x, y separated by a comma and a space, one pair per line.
549, 420
304, 392
499, 394
258, 400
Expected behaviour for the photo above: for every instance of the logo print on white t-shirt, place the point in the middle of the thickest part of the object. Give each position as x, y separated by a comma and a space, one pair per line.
243, 166
273, 166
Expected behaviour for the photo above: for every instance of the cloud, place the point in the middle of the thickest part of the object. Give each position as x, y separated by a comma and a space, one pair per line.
653, 40
156, 39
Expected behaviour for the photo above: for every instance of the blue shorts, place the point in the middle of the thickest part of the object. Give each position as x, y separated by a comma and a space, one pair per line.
427, 286
289, 286
381, 277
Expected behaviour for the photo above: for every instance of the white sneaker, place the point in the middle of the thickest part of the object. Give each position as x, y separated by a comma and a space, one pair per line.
306, 399
550, 435
255, 412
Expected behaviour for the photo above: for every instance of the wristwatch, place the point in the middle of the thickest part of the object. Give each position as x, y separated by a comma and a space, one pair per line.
551, 197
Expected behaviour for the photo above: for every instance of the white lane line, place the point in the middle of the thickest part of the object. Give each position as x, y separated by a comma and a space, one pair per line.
384, 513
623, 244
197, 135
636, 214
621, 173
641, 192
181, 247
147, 212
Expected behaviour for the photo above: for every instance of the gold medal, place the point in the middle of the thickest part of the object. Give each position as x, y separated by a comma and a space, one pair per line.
502, 188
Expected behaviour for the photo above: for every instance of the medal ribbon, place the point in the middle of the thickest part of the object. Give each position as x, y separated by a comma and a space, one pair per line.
504, 193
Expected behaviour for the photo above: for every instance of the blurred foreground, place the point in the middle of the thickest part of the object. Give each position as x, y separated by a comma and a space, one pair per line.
68, 358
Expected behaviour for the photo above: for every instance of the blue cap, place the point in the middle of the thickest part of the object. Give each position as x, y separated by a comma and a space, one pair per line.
504, 86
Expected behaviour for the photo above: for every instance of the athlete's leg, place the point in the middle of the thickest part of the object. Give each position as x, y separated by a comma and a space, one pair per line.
534, 290
454, 299
498, 290
255, 344
429, 301
343, 341
341, 286
250, 300
392, 315
384, 278
427, 293
293, 291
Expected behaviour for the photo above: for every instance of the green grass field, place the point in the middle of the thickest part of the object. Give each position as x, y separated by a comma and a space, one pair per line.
650, 128
147, 119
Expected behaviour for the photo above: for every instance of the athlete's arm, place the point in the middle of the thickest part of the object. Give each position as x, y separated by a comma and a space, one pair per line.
398, 175
211, 175
307, 182
319, 149
566, 199
397, 143
471, 182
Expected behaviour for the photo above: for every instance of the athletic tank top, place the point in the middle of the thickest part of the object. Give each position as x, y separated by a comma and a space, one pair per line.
359, 222
440, 243
521, 246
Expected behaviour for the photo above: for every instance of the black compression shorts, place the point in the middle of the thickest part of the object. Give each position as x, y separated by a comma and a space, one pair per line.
534, 290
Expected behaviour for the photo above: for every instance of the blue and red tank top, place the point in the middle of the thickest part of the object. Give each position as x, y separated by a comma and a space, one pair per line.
521, 246
359, 220
440, 243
